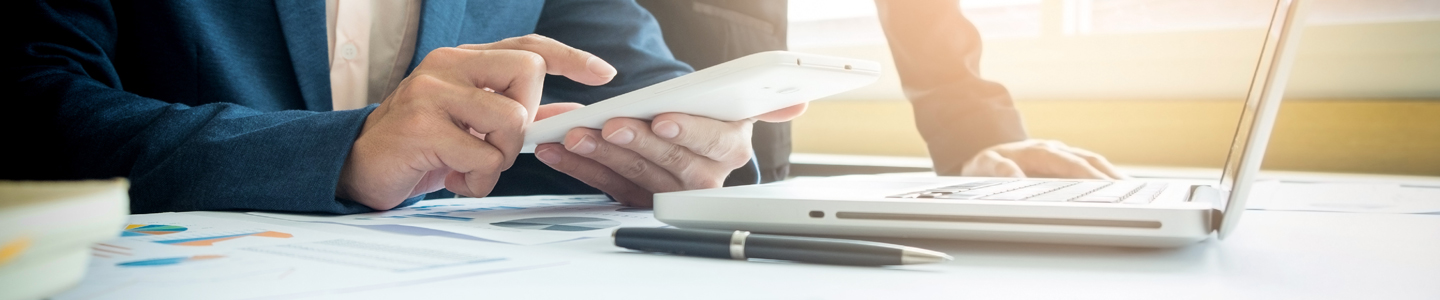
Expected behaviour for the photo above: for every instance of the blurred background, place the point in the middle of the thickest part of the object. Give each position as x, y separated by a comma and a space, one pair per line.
1161, 82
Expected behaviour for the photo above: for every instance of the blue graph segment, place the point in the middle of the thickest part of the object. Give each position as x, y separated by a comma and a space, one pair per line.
155, 262
443, 217
167, 261
431, 207
446, 215
202, 238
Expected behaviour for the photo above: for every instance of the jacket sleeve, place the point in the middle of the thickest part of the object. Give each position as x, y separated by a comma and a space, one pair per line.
937, 52
217, 156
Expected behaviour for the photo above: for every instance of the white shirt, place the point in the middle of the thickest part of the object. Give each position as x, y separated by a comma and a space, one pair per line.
371, 44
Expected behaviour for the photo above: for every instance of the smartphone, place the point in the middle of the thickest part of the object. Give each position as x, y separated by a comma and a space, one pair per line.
735, 90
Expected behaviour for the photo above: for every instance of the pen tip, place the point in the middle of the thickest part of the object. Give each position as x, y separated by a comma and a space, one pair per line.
911, 256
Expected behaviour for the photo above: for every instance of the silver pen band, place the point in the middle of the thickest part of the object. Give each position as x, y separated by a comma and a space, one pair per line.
737, 244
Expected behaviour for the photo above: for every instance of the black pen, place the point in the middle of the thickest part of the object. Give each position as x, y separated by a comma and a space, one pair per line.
743, 245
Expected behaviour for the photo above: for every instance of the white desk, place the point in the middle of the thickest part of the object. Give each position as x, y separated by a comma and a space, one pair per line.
1273, 254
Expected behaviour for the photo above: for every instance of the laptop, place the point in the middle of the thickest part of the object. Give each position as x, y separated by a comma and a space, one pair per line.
1138, 213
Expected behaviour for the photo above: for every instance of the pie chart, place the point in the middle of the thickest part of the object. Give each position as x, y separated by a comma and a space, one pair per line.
559, 223
152, 229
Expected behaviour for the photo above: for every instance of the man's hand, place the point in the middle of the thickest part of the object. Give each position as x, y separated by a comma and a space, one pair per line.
1040, 158
457, 121
633, 159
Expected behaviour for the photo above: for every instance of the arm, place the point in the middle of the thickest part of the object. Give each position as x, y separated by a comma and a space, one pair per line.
970, 124
206, 157
456, 122
937, 52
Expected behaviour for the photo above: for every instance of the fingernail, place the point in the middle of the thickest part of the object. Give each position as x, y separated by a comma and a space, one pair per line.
600, 67
666, 129
621, 137
585, 146
548, 156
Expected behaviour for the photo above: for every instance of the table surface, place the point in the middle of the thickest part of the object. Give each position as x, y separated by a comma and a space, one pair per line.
1272, 254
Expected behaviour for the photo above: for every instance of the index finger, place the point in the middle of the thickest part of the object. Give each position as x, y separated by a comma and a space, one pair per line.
560, 59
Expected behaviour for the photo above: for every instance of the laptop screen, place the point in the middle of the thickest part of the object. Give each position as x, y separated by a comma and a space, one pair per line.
1262, 103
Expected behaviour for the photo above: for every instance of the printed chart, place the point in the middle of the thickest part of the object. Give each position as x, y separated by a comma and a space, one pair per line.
560, 223
189, 256
516, 220
167, 261
151, 229
205, 239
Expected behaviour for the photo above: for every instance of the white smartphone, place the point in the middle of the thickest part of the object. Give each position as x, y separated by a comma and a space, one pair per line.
735, 90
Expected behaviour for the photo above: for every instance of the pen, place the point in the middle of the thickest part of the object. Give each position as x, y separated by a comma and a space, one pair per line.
743, 245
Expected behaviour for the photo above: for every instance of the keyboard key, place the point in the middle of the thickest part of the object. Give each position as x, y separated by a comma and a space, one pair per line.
1146, 194
1069, 192
930, 195
991, 190
1030, 191
1100, 199
1112, 193
979, 184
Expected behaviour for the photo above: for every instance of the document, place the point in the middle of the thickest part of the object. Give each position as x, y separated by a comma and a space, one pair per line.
516, 220
183, 256
1344, 197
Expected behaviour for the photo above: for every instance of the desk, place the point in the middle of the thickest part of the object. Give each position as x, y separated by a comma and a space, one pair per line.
1272, 254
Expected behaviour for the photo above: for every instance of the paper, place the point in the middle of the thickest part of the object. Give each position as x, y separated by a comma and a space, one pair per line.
1344, 197
183, 256
516, 220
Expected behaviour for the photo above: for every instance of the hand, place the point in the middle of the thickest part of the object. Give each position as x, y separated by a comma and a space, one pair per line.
457, 120
633, 159
1040, 158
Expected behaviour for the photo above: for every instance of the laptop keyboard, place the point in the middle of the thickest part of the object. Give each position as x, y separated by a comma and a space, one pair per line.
1045, 191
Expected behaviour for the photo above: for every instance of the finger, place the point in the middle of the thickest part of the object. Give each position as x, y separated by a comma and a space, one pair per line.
552, 109
693, 170
1063, 164
516, 74
991, 164
432, 181
560, 59
725, 142
498, 118
476, 164
1099, 162
594, 174
784, 114
643, 172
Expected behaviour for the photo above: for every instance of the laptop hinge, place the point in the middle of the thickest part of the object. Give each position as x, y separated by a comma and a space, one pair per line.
1209, 194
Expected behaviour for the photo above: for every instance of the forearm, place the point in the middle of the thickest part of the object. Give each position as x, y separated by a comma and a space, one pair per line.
211, 157
937, 54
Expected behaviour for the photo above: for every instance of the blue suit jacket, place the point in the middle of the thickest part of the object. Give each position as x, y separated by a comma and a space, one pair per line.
225, 105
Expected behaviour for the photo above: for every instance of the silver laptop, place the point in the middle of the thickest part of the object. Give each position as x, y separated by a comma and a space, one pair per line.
1096, 212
